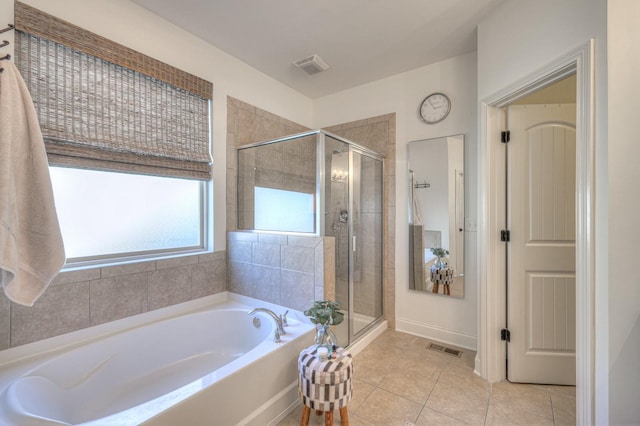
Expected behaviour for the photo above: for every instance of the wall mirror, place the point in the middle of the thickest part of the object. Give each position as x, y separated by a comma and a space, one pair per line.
436, 214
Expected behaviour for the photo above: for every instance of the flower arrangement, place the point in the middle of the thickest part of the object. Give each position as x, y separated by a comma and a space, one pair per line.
325, 312
439, 252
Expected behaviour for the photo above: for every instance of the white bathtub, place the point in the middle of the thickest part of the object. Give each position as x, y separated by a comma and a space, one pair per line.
202, 362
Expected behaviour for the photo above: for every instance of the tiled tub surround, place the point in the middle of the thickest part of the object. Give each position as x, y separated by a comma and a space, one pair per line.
284, 269
105, 376
84, 298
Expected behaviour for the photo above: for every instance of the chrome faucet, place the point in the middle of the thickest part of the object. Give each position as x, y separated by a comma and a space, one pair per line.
279, 320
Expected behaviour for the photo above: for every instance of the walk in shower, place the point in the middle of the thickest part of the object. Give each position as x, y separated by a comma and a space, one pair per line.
319, 184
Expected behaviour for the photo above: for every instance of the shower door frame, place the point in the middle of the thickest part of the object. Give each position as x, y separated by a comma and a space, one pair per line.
354, 148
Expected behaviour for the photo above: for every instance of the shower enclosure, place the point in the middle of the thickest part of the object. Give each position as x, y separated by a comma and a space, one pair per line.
320, 184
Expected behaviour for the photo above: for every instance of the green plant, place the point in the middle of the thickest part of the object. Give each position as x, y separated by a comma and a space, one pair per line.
325, 312
439, 252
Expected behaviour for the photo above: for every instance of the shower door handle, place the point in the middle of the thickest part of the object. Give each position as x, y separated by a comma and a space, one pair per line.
353, 241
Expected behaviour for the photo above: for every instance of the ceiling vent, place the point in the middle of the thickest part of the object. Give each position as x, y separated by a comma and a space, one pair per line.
312, 65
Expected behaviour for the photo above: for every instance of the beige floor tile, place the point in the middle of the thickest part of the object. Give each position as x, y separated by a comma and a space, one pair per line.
504, 413
564, 410
361, 391
371, 369
462, 377
457, 401
566, 391
429, 417
409, 385
524, 397
386, 409
395, 374
423, 364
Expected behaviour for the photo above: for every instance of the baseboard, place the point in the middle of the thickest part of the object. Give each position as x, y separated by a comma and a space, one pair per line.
438, 334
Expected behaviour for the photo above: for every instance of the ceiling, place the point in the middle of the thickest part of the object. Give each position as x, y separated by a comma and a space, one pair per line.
361, 40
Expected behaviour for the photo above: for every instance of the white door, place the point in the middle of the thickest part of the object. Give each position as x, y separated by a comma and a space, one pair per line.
541, 252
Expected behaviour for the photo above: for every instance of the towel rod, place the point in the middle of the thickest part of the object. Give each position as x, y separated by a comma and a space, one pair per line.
9, 28
422, 185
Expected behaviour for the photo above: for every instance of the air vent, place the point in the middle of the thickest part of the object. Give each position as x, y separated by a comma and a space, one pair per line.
312, 65
445, 350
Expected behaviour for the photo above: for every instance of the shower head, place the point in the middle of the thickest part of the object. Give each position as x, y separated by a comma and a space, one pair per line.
340, 149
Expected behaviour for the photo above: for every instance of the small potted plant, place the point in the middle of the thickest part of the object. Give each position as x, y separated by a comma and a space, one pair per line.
325, 313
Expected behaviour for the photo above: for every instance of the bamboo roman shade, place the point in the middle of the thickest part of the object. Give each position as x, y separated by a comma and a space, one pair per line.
104, 106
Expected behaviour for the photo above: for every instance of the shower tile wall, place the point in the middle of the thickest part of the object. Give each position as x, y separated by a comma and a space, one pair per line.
283, 269
289, 166
248, 124
80, 299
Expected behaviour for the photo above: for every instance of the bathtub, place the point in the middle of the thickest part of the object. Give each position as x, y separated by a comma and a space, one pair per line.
201, 362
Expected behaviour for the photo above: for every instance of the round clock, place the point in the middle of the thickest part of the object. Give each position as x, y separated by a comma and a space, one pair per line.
435, 108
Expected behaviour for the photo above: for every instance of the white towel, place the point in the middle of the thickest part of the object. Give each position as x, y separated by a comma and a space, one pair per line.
31, 248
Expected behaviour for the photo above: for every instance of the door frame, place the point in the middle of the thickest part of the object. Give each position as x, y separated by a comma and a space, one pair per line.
489, 362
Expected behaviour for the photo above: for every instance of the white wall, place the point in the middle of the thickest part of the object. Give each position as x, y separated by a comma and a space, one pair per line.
129, 24
521, 37
449, 320
624, 205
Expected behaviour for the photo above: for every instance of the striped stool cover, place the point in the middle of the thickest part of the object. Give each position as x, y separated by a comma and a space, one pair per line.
442, 276
325, 385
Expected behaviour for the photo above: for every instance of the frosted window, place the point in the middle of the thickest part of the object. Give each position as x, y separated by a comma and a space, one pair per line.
279, 210
113, 215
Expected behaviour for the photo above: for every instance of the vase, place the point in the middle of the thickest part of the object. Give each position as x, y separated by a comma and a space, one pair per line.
439, 264
326, 338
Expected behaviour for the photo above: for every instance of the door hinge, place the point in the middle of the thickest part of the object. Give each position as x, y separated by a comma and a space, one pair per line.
505, 335
505, 136
505, 235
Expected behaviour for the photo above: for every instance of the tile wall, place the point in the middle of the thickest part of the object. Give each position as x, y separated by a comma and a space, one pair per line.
287, 270
248, 124
84, 298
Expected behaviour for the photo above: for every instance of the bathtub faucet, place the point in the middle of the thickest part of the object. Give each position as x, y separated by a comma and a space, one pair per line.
280, 329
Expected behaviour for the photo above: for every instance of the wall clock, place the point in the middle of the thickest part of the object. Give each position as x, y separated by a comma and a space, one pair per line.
435, 108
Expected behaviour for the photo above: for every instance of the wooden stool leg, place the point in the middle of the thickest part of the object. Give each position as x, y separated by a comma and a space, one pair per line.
344, 416
435, 288
328, 418
318, 412
306, 412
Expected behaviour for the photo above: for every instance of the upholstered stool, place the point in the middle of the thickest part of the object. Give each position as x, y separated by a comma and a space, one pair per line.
325, 385
442, 276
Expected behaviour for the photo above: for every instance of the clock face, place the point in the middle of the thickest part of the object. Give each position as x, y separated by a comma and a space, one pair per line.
435, 108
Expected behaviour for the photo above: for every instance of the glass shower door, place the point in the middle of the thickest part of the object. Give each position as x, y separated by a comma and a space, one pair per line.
366, 270
353, 217
336, 216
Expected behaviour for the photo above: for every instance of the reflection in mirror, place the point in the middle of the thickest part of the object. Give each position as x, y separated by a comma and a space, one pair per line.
436, 215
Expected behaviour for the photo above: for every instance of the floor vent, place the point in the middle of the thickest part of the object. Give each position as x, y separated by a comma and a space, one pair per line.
439, 348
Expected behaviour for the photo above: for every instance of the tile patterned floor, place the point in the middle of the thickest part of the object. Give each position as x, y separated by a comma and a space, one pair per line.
399, 381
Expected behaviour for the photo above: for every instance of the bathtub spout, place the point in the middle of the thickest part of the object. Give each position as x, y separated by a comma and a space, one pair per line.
280, 329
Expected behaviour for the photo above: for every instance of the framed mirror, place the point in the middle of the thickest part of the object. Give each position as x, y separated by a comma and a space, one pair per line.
436, 215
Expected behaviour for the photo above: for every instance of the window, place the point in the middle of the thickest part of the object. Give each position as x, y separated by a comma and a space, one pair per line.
277, 210
127, 139
118, 215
